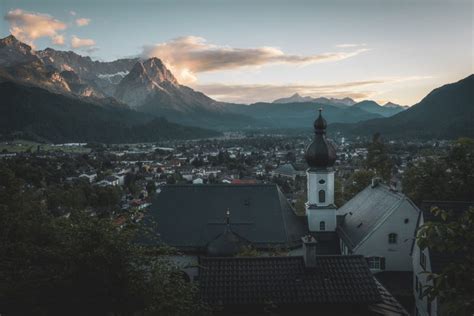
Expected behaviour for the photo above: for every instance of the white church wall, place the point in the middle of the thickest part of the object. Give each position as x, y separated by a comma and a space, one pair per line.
316, 216
313, 179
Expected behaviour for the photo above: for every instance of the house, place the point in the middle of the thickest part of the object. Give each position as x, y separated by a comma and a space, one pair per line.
305, 285
109, 181
198, 181
287, 170
424, 261
90, 176
379, 223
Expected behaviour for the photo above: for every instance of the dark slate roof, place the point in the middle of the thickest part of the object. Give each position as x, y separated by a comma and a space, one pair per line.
456, 208
190, 216
365, 210
226, 244
285, 280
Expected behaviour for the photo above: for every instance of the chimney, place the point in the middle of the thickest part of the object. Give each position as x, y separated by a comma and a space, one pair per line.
309, 251
375, 182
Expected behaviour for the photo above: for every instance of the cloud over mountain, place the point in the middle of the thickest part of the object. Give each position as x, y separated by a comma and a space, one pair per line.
77, 42
29, 26
189, 55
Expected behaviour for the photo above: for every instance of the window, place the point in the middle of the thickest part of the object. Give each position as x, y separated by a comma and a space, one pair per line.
416, 284
428, 307
322, 196
322, 181
322, 225
406, 220
420, 288
376, 263
392, 238
422, 260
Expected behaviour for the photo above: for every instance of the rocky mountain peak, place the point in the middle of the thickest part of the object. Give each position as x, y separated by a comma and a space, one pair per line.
13, 51
157, 71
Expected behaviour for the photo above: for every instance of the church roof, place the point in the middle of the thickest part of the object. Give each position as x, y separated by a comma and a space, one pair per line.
191, 216
285, 280
227, 244
363, 212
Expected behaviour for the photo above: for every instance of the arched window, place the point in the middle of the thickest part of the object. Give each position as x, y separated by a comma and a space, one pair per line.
322, 196
322, 225
392, 238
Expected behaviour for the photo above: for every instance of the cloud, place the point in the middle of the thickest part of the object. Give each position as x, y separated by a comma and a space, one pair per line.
29, 26
58, 39
250, 93
73, 13
77, 42
349, 45
189, 55
82, 21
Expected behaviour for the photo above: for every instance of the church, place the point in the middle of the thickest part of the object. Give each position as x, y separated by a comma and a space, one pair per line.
328, 255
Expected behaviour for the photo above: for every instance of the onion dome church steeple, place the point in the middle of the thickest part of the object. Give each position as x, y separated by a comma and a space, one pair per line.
320, 156
320, 153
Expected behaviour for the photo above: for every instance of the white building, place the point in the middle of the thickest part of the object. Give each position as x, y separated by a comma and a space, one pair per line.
379, 223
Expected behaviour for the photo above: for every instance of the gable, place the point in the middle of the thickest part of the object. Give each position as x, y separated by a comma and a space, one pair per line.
364, 212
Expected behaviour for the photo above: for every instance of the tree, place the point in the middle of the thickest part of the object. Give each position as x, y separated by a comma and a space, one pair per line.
358, 181
454, 286
79, 265
445, 178
151, 187
378, 158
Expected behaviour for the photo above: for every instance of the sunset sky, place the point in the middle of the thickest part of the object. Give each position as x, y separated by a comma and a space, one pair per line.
248, 51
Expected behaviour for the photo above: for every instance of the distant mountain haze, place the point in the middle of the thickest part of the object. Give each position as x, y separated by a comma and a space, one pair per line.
446, 112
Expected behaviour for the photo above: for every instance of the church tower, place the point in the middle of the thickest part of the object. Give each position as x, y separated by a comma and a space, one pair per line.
320, 156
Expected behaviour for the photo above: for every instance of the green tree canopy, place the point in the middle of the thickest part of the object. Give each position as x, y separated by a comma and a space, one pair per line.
454, 286
79, 265
443, 178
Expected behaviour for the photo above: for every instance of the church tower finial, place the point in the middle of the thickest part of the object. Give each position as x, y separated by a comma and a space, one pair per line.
227, 217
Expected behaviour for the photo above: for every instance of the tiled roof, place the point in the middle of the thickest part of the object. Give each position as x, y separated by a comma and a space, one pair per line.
190, 216
389, 305
285, 280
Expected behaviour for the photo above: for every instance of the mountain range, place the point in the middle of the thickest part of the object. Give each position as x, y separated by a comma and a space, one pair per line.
38, 114
446, 112
147, 89
385, 110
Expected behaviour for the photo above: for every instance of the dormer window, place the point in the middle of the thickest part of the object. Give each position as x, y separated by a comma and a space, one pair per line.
392, 238
322, 196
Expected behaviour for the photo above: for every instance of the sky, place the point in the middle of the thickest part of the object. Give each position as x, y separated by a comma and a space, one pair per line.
249, 51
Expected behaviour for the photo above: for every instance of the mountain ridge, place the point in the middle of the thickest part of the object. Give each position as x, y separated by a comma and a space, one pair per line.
446, 112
